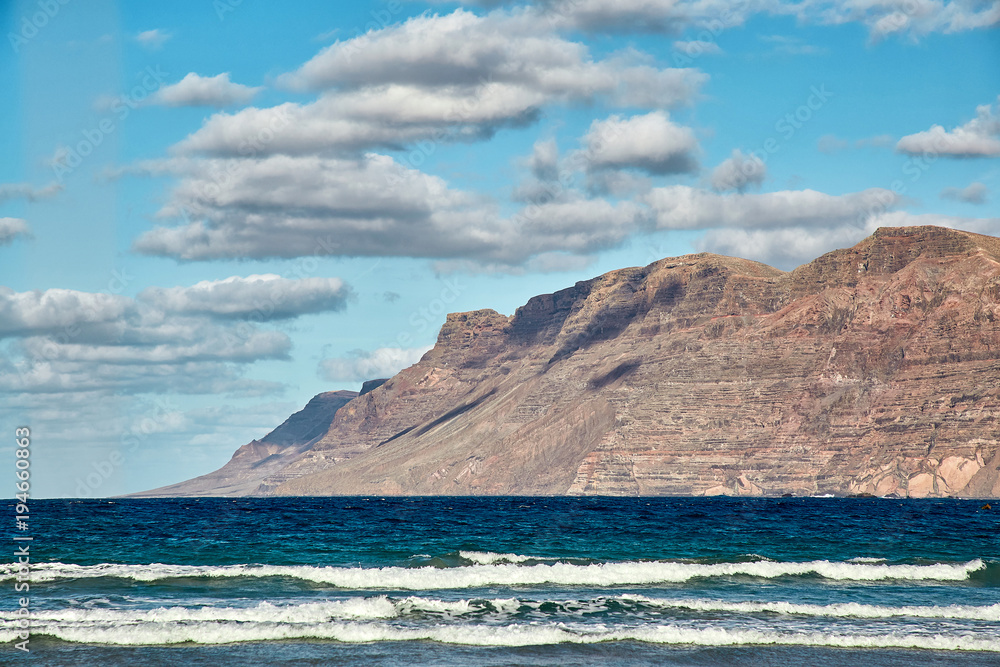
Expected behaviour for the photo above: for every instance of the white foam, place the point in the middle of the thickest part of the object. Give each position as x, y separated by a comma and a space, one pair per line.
506, 574
489, 558
843, 610
382, 607
494, 635
378, 607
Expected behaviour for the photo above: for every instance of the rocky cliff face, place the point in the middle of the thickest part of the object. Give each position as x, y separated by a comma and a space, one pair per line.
873, 369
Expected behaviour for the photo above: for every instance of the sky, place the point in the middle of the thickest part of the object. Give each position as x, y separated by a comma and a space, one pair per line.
212, 210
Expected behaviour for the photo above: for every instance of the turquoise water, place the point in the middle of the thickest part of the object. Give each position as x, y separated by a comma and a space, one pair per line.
510, 581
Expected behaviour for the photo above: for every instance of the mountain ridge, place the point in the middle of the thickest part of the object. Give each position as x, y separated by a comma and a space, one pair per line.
870, 370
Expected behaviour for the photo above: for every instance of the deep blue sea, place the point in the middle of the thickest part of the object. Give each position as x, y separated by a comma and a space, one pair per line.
508, 581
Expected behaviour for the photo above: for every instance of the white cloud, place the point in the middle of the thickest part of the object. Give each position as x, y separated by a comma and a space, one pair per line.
439, 78
102, 379
650, 142
788, 247
11, 229
27, 191
980, 137
388, 117
259, 297
784, 248
974, 193
913, 18
578, 225
361, 365
658, 16
283, 206
195, 91
683, 207
463, 49
544, 160
153, 39
188, 339
55, 310
211, 344
738, 171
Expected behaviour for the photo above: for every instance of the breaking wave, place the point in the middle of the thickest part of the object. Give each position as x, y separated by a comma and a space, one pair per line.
495, 572
225, 632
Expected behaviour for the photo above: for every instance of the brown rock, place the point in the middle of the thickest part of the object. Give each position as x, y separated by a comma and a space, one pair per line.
871, 370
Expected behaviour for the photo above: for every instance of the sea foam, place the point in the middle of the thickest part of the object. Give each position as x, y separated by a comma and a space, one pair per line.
225, 632
510, 574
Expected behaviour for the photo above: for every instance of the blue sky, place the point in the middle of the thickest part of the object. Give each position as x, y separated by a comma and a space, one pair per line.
210, 212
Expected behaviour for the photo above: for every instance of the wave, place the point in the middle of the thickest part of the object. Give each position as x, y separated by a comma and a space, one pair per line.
841, 610
369, 608
226, 632
508, 574
384, 607
490, 558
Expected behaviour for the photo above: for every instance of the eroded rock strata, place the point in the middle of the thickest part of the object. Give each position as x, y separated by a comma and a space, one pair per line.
871, 370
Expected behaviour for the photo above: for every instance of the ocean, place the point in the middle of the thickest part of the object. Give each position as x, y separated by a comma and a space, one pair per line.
507, 581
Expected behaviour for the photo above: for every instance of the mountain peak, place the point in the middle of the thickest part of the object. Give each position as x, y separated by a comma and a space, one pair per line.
872, 369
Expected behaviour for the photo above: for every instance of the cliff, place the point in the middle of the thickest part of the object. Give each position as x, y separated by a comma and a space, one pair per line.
872, 369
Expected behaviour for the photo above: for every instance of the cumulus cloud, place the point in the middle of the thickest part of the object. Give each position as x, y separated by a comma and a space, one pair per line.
202, 91
784, 248
445, 78
974, 193
153, 39
580, 225
738, 171
288, 207
788, 247
27, 191
13, 228
544, 160
980, 137
260, 297
253, 346
188, 339
882, 17
388, 117
650, 143
55, 310
683, 207
105, 379
464, 49
645, 16
361, 365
